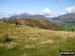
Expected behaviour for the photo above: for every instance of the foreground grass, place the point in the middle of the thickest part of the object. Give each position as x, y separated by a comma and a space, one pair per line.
29, 41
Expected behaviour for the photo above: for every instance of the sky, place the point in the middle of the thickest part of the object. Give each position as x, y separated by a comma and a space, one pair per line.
45, 7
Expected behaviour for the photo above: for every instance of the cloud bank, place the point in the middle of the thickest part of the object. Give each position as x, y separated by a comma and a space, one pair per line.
70, 9
46, 12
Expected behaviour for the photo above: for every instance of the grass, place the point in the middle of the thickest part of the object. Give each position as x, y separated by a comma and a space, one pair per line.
66, 26
42, 23
31, 41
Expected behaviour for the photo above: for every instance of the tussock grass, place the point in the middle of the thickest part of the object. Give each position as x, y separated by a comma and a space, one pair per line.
31, 41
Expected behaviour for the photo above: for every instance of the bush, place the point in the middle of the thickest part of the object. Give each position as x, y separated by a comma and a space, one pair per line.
4, 38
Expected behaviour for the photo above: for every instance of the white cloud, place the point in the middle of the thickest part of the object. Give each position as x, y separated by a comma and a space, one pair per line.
3, 14
57, 14
60, 13
19, 12
47, 12
70, 9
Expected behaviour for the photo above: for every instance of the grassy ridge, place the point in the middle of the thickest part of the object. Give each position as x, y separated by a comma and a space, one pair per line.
43, 23
30, 41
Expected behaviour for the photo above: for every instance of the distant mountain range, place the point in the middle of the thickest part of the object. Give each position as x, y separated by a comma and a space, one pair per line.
66, 17
27, 15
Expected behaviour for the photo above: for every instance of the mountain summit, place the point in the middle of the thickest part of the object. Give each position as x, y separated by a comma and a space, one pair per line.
28, 15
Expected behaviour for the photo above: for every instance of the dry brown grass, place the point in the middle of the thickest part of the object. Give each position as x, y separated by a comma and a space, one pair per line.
46, 42
29, 47
34, 38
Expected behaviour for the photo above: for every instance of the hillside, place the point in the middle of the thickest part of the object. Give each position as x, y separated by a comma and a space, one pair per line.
43, 23
65, 18
20, 40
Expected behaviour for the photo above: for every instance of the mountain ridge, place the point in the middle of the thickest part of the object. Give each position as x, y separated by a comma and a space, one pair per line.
27, 15
65, 17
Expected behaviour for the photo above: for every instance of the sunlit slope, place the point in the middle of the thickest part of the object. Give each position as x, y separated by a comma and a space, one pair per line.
42, 23
30, 41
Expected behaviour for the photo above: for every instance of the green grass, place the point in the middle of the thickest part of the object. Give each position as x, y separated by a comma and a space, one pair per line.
66, 26
31, 41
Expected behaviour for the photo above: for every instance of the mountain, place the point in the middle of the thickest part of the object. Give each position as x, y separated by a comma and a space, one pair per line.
27, 15
65, 18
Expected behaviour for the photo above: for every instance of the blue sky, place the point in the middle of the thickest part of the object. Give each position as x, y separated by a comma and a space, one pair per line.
35, 6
